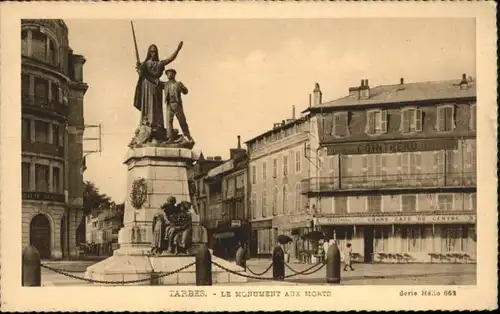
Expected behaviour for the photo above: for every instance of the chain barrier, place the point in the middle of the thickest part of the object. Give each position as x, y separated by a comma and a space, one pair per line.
260, 274
306, 271
67, 274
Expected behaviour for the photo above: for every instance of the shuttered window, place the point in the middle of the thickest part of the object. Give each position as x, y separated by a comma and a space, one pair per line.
411, 120
376, 122
473, 117
340, 124
445, 120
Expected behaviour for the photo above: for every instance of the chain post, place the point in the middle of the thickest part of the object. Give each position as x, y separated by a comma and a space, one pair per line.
203, 267
31, 268
333, 264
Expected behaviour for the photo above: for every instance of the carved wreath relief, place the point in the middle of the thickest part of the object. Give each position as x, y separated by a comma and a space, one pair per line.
138, 194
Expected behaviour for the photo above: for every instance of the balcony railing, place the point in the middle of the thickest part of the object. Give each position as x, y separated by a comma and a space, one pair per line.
325, 184
43, 103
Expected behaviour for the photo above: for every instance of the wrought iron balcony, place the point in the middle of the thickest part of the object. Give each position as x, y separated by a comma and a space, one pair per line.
420, 180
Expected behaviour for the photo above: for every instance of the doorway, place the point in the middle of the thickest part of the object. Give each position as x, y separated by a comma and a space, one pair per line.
40, 235
368, 239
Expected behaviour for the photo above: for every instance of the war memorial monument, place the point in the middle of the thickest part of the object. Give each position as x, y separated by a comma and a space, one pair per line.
162, 231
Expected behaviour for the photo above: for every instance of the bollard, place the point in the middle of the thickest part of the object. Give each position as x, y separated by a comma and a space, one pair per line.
203, 267
241, 255
31, 269
333, 264
278, 263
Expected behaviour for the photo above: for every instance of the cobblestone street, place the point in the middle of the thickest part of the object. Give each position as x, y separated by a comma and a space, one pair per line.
363, 274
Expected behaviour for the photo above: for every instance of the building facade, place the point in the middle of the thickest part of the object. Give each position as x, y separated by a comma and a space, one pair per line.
227, 218
398, 171
102, 229
52, 128
279, 160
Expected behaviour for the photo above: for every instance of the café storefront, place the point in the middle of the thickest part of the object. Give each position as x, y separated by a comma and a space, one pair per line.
261, 238
405, 238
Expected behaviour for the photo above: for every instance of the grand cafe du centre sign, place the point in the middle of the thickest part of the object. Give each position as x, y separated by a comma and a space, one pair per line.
397, 220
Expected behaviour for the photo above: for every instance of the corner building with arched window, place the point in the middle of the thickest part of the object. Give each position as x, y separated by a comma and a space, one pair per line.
398, 175
52, 132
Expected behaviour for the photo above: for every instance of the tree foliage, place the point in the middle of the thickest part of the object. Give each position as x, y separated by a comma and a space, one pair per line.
93, 200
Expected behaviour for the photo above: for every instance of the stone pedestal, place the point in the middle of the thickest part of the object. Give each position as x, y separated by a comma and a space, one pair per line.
164, 171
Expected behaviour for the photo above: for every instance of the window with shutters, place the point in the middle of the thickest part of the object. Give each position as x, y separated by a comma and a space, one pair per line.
41, 91
340, 205
409, 203
264, 171
297, 197
473, 117
376, 122
285, 199
445, 202
445, 118
340, 124
264, 203
54, 90
298, 159
55, 135
374, 203
275, 201
410, 164
253, 205
275, 168
254, 174
285, 166
411, 120
25, 85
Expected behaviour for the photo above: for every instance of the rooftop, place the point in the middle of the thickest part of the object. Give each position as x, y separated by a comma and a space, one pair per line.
407, 92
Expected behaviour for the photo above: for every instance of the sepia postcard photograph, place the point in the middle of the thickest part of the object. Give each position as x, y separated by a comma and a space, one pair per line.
241, 156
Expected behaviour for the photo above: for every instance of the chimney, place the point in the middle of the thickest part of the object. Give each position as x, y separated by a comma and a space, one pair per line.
317, 95
210, 158
401, 81
364, 90
293, 112
310, 100
76, 63
239, 142
464, 84
217, 158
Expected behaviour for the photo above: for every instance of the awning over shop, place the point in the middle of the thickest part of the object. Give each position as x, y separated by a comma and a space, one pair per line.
224, 235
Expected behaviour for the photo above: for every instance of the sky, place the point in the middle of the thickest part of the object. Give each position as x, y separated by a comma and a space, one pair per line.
243, 75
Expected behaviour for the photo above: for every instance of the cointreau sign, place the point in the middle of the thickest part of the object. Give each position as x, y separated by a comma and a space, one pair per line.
392, 147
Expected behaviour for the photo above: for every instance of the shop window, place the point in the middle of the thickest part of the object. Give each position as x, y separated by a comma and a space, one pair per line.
26, 176
381, 239
41, 178
451, 239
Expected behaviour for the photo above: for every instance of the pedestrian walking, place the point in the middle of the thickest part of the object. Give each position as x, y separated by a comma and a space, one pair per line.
347, 257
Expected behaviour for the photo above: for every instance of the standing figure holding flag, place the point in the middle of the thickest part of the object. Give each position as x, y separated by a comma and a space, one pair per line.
148, 91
